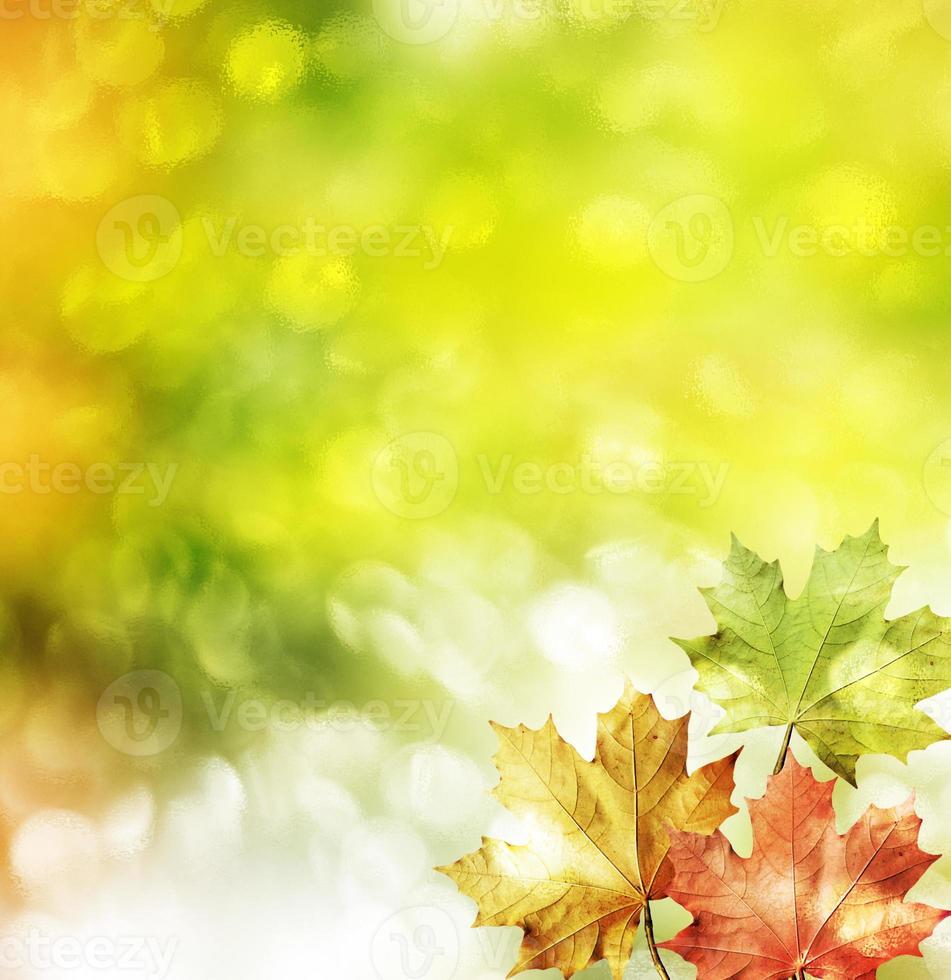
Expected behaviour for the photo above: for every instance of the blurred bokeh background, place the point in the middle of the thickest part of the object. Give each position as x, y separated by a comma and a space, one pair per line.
369, 371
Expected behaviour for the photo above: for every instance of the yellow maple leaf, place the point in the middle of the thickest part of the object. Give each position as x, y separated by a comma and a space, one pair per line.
598, 842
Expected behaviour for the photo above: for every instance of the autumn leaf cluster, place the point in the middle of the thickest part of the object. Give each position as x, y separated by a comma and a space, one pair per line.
610, 835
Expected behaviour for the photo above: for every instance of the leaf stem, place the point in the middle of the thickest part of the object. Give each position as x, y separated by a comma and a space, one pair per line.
785, 748
651, 945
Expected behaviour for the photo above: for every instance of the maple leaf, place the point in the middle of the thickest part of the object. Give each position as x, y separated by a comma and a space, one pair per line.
806, 900
828, 664
597, 835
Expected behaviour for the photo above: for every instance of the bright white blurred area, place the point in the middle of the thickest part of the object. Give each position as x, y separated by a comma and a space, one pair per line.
280, 866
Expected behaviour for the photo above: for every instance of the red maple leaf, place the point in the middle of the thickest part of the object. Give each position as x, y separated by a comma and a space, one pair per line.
807, 900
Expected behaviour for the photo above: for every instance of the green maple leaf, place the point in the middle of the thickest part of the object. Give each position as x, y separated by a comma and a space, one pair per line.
827, 664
